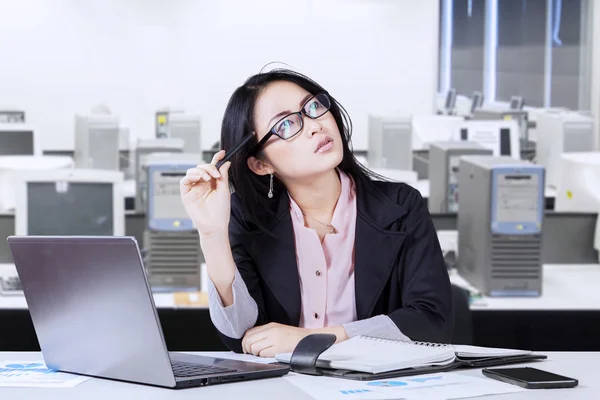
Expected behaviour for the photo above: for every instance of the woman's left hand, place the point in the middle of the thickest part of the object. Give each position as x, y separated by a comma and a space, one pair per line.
273, 338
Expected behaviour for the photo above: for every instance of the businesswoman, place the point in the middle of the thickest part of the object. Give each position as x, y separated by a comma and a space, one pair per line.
310, 241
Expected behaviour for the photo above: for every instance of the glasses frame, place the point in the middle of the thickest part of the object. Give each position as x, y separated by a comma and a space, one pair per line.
300, 114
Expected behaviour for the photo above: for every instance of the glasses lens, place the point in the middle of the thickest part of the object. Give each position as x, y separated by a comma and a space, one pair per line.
289, 126
317, 106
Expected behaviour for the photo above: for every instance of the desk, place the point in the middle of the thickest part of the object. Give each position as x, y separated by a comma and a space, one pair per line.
577, 365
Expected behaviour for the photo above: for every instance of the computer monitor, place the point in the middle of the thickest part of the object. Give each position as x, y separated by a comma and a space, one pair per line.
502, 137
187, 128
18, 140
450, 100
70, 202
476, 101
562, 132
97, 139
390, 142
427, 129
516, 103
578, 187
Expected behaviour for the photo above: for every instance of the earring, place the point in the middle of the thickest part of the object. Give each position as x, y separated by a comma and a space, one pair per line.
270, 194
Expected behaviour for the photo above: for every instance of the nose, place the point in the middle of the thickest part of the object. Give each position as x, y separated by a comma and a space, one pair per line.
312, 126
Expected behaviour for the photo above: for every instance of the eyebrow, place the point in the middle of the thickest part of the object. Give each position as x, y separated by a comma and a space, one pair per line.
285, 112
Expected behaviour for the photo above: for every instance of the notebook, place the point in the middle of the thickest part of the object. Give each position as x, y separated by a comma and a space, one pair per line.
370, 355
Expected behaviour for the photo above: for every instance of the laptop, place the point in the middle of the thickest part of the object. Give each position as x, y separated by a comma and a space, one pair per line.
94, 314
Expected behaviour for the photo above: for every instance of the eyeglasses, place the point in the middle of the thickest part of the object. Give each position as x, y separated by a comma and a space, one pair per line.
290, 125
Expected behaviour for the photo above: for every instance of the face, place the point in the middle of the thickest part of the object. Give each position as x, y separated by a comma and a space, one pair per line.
316, 149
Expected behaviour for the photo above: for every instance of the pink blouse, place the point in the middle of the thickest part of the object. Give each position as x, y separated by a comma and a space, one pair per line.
326, 270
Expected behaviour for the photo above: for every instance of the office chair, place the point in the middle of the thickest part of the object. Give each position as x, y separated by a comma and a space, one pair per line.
463, 320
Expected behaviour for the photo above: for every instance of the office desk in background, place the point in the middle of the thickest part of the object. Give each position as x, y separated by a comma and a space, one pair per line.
580, 366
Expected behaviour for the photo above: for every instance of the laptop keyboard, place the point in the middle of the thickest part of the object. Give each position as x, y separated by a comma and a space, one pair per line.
182, 369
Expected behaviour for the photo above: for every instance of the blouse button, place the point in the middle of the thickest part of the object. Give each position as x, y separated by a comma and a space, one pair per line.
318, 273
316, 315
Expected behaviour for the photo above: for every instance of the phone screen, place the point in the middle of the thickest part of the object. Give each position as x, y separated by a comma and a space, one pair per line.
529, 374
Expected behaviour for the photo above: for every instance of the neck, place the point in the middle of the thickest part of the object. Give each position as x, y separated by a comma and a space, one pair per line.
319, 196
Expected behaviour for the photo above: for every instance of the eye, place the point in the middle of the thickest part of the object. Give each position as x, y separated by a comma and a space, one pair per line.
286, 127
313, 108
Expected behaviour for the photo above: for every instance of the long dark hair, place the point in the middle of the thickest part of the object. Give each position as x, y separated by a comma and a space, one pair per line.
238, 122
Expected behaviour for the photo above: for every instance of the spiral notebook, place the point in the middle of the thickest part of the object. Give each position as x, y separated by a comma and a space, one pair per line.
370, 355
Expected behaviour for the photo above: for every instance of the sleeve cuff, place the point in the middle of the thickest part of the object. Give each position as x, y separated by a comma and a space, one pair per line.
233, 321
380, 326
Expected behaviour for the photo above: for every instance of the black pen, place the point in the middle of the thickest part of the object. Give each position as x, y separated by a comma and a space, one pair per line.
237, 148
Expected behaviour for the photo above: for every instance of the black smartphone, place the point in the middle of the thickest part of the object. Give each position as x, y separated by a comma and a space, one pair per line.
530, 378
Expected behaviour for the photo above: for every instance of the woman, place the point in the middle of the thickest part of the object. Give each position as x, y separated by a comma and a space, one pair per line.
310, 241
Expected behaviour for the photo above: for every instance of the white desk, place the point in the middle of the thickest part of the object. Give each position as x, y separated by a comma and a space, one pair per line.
577, 365
564, 288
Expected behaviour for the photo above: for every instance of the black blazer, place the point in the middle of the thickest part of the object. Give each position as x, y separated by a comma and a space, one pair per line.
398, 264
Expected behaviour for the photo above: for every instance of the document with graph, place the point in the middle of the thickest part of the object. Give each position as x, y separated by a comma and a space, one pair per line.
35, 374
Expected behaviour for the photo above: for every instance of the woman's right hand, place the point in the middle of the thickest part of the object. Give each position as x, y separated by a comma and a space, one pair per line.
206, 196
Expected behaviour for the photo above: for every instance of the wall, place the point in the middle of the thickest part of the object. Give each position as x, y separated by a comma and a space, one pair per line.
60, 57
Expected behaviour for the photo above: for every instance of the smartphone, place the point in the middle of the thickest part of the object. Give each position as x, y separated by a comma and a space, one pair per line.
530, 378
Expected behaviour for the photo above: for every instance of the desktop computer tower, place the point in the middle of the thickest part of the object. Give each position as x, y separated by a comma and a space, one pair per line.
444, 160
390, 142
500, 223
97, 139
173, 256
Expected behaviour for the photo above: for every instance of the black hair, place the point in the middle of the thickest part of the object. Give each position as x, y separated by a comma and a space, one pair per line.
238, 121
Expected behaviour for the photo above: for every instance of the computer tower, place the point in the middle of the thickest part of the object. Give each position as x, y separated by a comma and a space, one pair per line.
173, 256
187, 128
443, 173
500, 223
145, 147
97, 139
390, 142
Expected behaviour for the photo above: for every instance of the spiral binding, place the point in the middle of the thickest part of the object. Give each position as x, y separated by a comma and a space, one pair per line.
424, 344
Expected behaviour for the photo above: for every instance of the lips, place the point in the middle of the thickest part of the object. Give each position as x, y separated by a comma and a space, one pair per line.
324, 142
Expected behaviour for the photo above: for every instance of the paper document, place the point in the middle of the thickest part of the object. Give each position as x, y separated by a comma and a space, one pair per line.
421, 387
35, 374
240, 357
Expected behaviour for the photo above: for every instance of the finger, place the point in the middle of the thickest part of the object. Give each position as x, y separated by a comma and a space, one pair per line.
252, 339
217, 157
223, 181
260, 345
268, 352
190, 180
257, 329
211, 169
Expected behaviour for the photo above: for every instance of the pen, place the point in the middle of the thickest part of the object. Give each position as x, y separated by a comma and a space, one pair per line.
237, 148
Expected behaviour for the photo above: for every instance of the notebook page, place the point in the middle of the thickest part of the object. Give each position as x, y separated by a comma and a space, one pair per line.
366, 354
465, 351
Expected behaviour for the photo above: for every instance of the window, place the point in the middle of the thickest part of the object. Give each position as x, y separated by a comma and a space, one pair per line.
540, 51
468, 18
521, 51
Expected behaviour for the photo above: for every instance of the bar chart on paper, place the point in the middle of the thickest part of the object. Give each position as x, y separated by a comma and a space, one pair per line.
35, 374
424, 387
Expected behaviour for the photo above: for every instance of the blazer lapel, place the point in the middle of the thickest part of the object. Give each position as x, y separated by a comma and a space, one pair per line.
376, 250
275, 258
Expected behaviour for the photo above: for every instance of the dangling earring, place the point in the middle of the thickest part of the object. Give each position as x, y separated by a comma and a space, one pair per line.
270, 194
